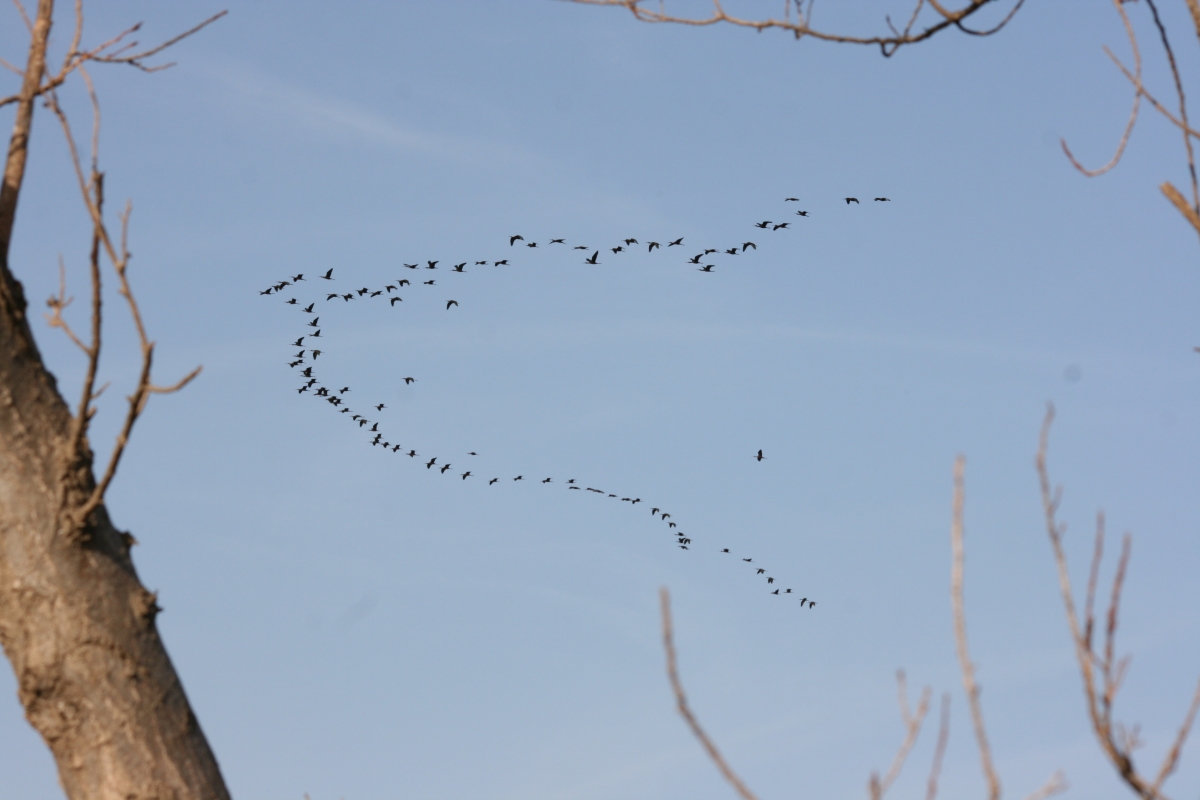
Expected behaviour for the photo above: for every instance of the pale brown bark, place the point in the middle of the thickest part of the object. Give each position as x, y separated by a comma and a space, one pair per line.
75, 622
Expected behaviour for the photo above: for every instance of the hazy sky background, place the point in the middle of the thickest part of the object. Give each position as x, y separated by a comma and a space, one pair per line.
350, 624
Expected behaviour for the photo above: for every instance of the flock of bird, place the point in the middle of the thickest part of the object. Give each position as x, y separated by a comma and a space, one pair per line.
390, 293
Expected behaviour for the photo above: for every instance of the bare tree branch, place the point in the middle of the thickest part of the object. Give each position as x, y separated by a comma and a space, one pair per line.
912, 725
681, 701
935, 770
1133, 114
960, 633
1117, 742
803, 25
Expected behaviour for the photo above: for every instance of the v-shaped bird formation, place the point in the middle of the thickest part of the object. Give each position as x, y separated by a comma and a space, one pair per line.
367, 422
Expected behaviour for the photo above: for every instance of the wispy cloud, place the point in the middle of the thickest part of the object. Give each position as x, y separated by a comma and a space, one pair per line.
280, 101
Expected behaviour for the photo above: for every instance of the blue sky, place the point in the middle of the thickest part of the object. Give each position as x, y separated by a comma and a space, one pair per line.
352, 625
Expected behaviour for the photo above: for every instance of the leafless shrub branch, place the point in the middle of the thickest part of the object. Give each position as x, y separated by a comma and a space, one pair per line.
681, 701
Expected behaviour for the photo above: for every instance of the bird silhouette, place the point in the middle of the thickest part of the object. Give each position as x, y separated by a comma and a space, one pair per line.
631, 241
432, 264
313, 324
431, 463
760, 571
395, 300
883, 199
429, 283
466, 475
618, 249
548, 480
653, 245
444, 468
459, 267
748, 560
580, 247
309, 309
748, 244
678, 241
593, 260
411, 453
791, 199
802, 213
777, 227
404, 282
501, 262
556, 241
695, 259
532, 244
514, 239
760, 456
451, 303
290, 302
298, 342
775, 592
850, 200
706, 268
493, 480
410, 380
380, 407
411, 266
519, 478
766, 223
733, 251
327, 276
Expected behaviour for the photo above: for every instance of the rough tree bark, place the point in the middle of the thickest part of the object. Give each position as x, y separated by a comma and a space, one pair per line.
75, 622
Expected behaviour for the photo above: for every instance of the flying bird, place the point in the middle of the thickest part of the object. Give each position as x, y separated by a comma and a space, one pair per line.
493, 480
593, 260
466, 475
777, 227
532, 244
432, 264
706, 268
695, 259
444, 468
766, 223
791, 199
409, 380
395, 300
431, 463
883, 199
653, 245
759, 457
380, 407
631, 241
429, 283
451, 303
618, 249
850, 200
677, 241
579, 247
309, 309
557, 241
733, 251
459, 267
748, 244
327, 276
802, 213
514, 239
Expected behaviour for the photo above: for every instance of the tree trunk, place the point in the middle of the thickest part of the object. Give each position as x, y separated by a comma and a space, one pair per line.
75, 621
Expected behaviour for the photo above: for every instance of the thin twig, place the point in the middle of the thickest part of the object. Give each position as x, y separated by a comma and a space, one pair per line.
1172, 758
803, 26
681, 701
1187, 141
935, 770
1133, 114
1055, 785
960, 633
912, 724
